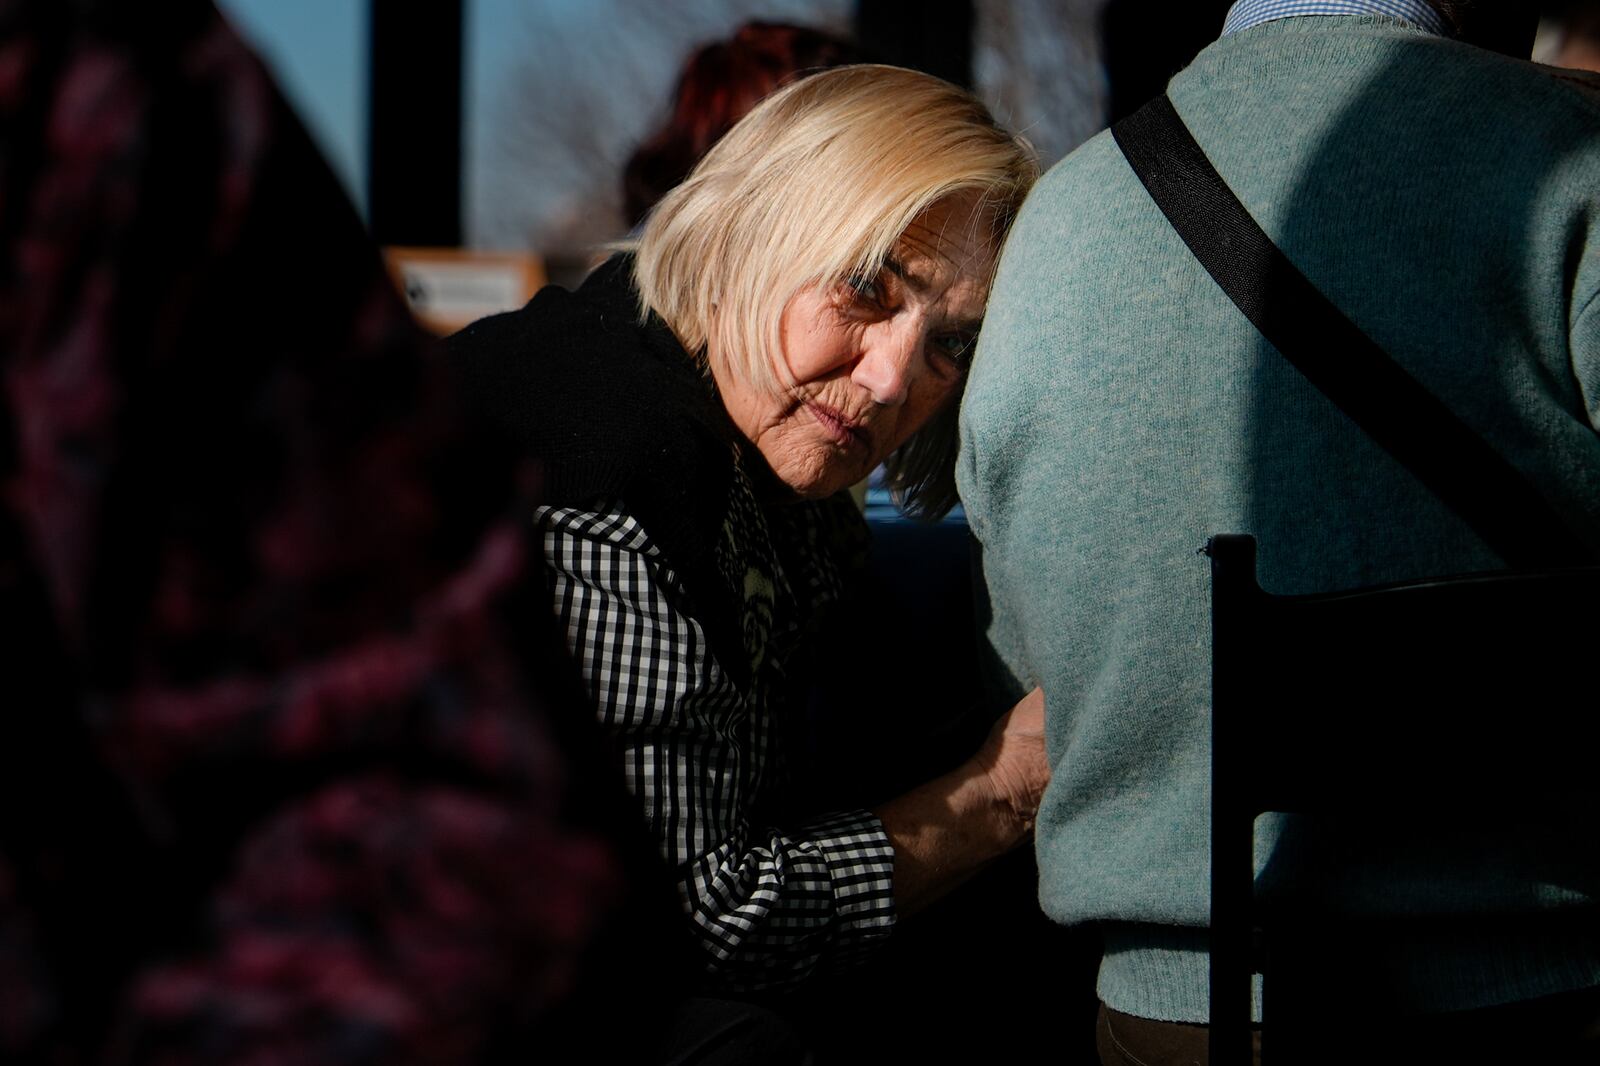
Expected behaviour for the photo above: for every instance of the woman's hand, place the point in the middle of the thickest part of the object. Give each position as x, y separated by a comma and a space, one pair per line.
1013, 758
946, 830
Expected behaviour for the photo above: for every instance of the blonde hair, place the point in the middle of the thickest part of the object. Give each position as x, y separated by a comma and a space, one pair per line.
816, 185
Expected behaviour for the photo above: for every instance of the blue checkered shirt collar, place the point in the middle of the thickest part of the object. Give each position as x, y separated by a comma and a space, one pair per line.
1246, 13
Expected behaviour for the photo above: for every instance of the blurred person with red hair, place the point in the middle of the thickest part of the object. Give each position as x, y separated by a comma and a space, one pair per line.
719, 85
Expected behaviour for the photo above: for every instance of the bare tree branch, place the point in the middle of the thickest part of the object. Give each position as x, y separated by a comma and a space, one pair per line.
591, 82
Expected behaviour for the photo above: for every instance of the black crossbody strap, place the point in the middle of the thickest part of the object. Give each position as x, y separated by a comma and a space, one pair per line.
1407, 420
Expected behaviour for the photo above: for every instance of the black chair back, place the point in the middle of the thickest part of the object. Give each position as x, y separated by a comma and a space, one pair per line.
1464, 694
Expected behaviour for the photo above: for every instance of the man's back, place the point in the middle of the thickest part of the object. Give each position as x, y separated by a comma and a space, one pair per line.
1121, 410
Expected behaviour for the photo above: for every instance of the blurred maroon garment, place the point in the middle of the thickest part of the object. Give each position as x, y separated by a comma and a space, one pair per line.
274, 781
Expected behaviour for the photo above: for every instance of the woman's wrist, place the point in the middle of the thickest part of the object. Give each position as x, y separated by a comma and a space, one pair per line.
945, 830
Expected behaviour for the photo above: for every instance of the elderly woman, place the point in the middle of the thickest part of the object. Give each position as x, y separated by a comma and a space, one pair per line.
801, 309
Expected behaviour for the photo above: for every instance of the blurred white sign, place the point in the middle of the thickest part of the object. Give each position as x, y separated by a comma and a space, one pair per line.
448, 288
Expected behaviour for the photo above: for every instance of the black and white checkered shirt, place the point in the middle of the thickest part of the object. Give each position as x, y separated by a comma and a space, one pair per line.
770, 904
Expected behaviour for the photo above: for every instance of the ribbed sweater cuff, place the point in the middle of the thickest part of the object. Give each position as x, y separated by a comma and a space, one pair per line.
1162, 972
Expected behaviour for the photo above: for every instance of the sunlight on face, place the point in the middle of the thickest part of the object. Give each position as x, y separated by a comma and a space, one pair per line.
869, 361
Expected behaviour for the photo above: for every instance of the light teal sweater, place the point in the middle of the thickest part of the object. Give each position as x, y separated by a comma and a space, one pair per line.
1121, 410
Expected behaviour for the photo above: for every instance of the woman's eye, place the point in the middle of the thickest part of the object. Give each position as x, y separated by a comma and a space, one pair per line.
956, 348
865, 288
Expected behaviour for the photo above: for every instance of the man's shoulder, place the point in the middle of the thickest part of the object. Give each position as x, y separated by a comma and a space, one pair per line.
1070, 211
1085, 171
1582, 86
1086, 224
1542, 97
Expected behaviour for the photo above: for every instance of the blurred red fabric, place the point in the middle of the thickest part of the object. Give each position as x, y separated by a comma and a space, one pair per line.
283, 776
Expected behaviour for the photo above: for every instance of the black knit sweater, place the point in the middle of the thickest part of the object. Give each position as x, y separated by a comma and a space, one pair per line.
614, 408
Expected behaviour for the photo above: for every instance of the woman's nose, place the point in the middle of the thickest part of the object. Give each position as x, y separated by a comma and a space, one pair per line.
888, 365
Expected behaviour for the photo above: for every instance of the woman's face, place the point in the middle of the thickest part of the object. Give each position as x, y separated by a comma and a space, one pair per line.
870, 359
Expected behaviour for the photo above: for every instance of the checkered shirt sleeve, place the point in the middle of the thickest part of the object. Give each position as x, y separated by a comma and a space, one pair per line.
769, 905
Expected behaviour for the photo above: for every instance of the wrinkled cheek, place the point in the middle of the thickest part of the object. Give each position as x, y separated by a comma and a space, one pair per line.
924, 413
903, 431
